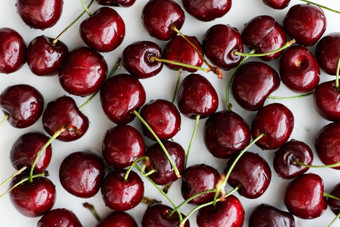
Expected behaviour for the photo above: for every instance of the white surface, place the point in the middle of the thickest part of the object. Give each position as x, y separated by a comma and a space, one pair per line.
307, 121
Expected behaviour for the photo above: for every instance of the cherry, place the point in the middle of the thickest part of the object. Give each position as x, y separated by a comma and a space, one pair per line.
264, 34
328, 52
266, 215
161, 16
44, 57
117, 219
136, 59
59, 218
299, 70
327, 100
226, 213
306, 23
333, 203
12, 50
277, 4
63, 114
22, 105
220, 43
207, 10
253, 82
40, 14
120, 194
124, 3
304, 196
120, 96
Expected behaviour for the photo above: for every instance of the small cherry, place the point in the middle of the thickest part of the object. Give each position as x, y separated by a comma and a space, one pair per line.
207, 10
59, 218
124, 3
328, 53
117, 219
277, 4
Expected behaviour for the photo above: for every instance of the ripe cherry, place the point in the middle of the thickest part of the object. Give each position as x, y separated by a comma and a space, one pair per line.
328, 52
117, 219
59, 218
333, 203
327, 100
207, 10
124, 3
266, 215
277, 4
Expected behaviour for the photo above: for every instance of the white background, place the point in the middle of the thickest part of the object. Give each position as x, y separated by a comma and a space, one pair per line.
307, 121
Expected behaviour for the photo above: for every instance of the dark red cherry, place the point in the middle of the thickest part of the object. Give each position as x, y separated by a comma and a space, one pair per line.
225, 133
266, 215
226, 213
83, 72
33, 199
220, 43
120, 194
333, 203
196, 96
277, 4
299, 70
207, 10
285, 159
12, 50
117, 219
264, 34
122, 145
81, 174
44, 57
158, 215
59, 218
305, 23
328, 52
251, 174
160, 16
276, 121
136, 59
163, 117
40, 14
25, 150
23, 104
63, 113
120, 96
253, 82
327, 100
304, 196
104, 31
124, 3
199, 178
327, 144
165, 174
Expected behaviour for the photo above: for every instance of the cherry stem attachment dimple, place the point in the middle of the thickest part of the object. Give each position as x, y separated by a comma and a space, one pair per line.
14, 175
325, 194
291, 97
177, 85
86, 8
92, 209
337, 74
192, 138
337, 164
321, 6
4, 119
336, 218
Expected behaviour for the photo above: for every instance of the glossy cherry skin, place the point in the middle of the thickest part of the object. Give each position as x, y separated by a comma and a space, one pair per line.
328, 52
207, 10
25, 149
120, 96
12, 50
225, 133
163, 117
120, 194
159, 16
266, 215
40, 14
158, 161
45, 58
23, 104
264, 34
299, 69
59, 218
251, 173
196, 96
136, 59
253, 82
333, 203
158, 215
179, 50
124, 3
122, 145
284, 159
64, 113
81, 174
104, 31
117, 219
33, 199
276, 121
226, 213
327, 144
304, 197
220, 43
277, 4
305, 23
327, 100
83, 72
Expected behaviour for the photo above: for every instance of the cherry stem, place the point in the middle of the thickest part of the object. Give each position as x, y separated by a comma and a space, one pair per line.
166, 188
14, 175
150, 172
159, 142
177, 85
86, 8
71, 24
4, 119
316, 166
291, 97
336, 217
325, 194
321, 6
91, 208
192, 138
288, 44
126, 176
229, 106
336, 75
149, 201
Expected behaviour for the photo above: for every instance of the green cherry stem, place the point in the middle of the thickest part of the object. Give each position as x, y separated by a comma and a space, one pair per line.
14, 175
325, 194
321, 6
337, 75
336, 218
86, 8
177, 85
4, 119
126, 176
317, 166
150, 172
291, 97
92, 209
192, 138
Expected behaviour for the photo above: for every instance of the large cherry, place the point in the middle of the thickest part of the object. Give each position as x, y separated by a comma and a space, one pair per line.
328, 52
277, 4
207, 10
12, 50
333, 203
124, 3
327, 100
59, 218
117, 219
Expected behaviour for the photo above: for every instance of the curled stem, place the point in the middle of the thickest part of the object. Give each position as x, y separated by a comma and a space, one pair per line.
192, 138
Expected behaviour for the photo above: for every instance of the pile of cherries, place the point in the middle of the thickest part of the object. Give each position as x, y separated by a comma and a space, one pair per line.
146, 150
